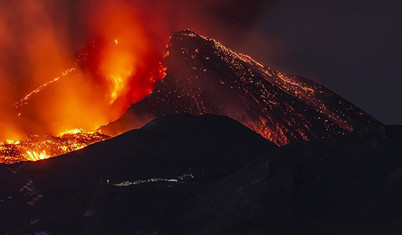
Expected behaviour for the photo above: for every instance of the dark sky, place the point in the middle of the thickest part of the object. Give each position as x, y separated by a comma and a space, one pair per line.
352, 47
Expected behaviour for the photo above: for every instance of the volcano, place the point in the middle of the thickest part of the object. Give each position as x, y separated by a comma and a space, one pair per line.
210, 174
205, 77
198, 75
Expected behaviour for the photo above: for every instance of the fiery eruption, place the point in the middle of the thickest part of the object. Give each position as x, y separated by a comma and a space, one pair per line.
119, 67
60, 112
205, 77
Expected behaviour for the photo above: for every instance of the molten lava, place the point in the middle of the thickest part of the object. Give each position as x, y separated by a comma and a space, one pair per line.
120, 67
205, 77
120, 78
34, 148
55, 112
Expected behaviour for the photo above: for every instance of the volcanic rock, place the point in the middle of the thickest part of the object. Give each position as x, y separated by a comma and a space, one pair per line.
203, 76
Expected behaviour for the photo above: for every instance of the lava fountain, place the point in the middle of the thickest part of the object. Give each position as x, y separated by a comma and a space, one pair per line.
73, 95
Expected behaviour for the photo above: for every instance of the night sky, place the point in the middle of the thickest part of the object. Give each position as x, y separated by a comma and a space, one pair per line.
352, 47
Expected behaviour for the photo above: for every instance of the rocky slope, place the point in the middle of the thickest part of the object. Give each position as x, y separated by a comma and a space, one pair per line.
203, 76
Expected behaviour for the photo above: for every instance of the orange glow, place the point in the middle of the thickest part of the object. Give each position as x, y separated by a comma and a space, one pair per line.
73, 131
118, 67
35, 147
54, 112
34, 156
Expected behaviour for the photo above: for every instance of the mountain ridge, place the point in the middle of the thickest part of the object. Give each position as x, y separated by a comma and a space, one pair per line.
203, 76
210, 175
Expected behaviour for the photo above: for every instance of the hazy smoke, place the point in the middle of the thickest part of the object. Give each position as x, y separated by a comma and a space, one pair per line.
40, 39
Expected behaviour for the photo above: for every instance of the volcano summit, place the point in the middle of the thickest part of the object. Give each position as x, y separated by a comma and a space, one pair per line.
205, 77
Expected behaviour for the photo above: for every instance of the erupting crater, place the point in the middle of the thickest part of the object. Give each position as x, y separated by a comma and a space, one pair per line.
197, 75
64, 114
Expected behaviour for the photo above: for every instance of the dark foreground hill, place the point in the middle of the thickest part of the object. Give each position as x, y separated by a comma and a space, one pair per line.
210, 175
75, 192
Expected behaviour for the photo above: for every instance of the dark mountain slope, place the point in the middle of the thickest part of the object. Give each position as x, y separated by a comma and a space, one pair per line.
203, 76
352, 185
141, 183
181, 147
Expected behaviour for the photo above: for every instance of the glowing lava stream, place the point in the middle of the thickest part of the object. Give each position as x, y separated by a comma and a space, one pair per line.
34, 156
40, 88
34, 148
120, 80
119, 66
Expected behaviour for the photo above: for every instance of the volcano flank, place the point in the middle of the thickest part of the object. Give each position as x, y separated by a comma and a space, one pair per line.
221, 145
205, 77
198, 75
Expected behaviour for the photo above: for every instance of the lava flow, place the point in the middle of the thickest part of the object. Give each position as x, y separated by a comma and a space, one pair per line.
119, 83
62, 111
36, 147
205, 77
123, 68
